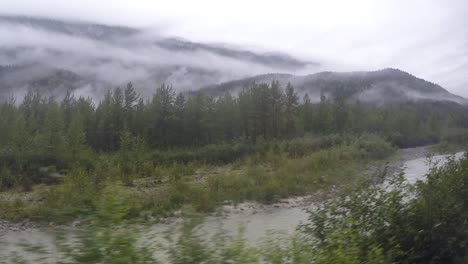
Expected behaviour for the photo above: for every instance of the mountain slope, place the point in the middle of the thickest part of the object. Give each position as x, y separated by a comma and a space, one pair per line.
54, 56
102, 56
387, 86
83, 29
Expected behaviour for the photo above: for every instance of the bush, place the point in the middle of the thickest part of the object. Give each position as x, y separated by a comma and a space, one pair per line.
101, 241
373, 147
411, 141
397, 224
458, 137
190, 247
7, 179
300, 147
211, 154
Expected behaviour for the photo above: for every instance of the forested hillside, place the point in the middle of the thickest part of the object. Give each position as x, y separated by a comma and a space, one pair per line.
386, 86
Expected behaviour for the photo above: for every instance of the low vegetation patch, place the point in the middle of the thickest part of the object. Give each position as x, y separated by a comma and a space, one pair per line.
157, 190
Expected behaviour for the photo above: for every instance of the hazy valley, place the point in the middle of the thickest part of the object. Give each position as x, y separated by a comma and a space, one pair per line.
122, 145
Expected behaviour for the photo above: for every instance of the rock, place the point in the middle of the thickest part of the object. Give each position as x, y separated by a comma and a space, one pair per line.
178, 213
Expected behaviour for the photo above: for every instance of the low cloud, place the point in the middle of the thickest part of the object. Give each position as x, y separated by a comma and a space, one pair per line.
137, 59
427, 38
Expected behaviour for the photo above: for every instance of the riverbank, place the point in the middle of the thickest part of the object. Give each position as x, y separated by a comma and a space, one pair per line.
258, 221
266, 177
391, 165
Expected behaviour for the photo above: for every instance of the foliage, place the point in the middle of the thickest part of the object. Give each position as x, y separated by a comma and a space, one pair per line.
105, 240
369, 222
190, 247
398, 223
42, 132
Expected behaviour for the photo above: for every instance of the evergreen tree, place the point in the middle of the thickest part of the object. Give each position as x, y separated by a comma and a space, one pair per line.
291, 103
162, 112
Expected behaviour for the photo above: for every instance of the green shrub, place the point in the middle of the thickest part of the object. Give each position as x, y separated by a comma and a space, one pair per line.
190, 247
7, 179
101, 241
211, 154
425, 223
373, 147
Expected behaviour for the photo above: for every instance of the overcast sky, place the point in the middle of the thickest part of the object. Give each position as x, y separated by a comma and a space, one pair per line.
428, 38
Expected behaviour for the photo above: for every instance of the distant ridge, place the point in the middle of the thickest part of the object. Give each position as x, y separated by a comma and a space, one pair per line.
386, 86
101, 57
119, 54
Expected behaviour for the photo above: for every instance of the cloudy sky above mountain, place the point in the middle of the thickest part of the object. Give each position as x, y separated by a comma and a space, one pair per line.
427, 38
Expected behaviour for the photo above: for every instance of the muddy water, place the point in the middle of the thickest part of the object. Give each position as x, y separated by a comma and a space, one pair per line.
257, 221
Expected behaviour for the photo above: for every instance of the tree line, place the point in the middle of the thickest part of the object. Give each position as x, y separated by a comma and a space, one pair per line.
43, 131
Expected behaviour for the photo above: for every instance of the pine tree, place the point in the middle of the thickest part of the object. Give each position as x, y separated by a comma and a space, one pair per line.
291, 103
278, 109
307, 114
162, 112
76, 136
130, 102
179, 121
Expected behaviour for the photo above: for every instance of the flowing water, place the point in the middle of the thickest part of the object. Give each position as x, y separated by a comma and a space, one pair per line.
257, 221
417, 169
